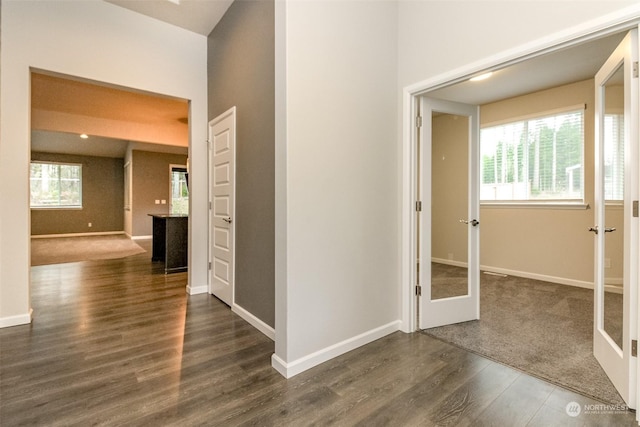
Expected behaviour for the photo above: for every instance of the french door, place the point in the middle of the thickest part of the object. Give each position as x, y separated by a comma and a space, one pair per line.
616, 223
448, 222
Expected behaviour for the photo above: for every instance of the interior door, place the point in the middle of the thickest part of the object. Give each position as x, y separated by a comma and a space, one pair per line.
222, 139
616, 226
449, 267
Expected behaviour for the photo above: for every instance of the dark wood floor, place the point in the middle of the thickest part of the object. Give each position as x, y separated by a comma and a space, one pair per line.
119, 343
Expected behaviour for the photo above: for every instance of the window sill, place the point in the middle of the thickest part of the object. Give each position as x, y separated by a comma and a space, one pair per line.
56, 208
536, 205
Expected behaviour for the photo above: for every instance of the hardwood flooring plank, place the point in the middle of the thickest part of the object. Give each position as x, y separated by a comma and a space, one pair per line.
518, 404
118, 342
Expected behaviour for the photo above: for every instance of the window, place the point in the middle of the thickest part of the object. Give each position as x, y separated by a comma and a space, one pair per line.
614, 157
56, 185
537, 159
179, 191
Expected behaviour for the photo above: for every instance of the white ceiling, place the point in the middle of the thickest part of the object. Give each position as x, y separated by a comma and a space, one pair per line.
199, 16
568, 65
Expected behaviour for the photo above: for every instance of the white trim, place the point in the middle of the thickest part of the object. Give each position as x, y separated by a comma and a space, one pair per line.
98, 233
196, 290
141, 237
20, 319
254, 321
523, 204
617, 21
290, 369
613, 284
449, 262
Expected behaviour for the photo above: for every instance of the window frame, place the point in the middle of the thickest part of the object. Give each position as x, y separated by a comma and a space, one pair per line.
58, 206
553, 203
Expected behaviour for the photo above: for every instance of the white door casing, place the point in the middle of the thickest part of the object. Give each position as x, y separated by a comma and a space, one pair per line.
617, 362
222, 141
438, 312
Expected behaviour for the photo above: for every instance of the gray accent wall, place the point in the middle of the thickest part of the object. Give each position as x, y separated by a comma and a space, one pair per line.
102, 198
241, 74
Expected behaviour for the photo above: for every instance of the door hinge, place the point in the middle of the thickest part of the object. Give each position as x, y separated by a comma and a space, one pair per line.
635, 69
209, 265
634, 348
635, 209
209, 205
418, 206
419, 290
418, 121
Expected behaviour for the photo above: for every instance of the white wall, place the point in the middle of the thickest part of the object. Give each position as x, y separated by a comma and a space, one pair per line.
475, 30
338, 224
98, 41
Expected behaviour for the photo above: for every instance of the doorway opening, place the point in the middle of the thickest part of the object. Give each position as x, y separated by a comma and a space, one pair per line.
123, 141
459, 89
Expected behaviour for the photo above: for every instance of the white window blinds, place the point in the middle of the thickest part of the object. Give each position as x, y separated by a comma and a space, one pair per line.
539, 158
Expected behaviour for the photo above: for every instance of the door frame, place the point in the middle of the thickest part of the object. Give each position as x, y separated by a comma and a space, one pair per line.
603, 27
613, 23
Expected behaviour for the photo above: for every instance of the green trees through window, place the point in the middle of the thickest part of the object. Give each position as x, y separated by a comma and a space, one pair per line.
56, 185
534, 159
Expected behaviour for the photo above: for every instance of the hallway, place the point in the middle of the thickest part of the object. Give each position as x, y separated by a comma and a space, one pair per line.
117, 342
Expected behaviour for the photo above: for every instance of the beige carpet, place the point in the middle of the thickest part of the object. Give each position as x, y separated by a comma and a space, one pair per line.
541, 328
60, 250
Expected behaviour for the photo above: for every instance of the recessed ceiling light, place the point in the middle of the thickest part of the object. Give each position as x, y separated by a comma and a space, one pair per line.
481, 77
84, 136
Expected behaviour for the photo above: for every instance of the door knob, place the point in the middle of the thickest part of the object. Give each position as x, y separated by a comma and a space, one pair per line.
473, 222
227, 220
606, 230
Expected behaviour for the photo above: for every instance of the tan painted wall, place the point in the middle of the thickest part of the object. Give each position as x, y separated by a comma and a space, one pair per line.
450, 182
552, 242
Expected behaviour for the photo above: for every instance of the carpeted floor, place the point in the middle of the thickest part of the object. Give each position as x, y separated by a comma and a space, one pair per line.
60, 250
543, 329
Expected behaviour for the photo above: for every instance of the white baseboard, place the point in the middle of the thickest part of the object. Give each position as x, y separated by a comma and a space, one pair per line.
141, 237
290, 369
195, 290
254, 321
20, 319
97, 233
536, 276
449, 262
612, 284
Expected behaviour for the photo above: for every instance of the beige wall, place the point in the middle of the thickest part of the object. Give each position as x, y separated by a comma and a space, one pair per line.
450, 183
552, 242
102, 198
150, 182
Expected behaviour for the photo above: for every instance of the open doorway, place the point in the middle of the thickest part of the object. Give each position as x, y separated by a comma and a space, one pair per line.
518, 237
100, 156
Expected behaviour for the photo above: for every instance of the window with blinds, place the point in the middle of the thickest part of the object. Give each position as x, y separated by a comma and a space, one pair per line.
535, 159
614, 157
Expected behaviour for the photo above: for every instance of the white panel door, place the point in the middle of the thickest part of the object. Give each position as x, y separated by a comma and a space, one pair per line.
222, 140
449, 235
616, 228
